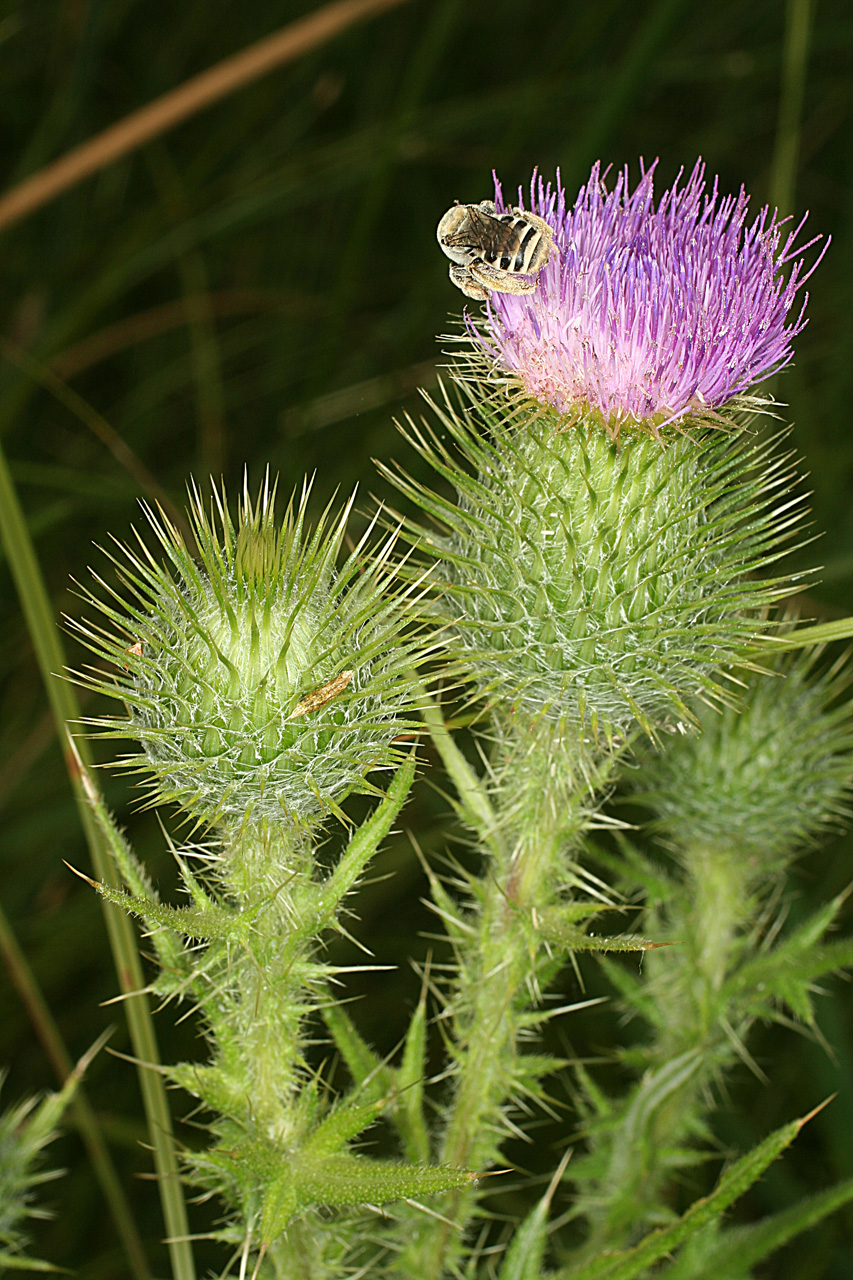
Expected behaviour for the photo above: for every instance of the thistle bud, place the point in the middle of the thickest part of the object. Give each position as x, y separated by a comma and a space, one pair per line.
762, 781
603, 583
262, 682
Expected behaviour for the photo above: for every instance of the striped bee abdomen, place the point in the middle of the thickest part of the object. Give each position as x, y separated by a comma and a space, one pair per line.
528, 249
494, 252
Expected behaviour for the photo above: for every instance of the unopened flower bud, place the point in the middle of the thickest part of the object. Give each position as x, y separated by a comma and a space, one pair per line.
263, 682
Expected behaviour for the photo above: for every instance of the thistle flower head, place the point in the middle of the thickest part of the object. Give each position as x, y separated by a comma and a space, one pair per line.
262, 682
650, 313
765, 779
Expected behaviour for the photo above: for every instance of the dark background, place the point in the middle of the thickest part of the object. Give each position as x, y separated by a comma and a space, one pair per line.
261, 285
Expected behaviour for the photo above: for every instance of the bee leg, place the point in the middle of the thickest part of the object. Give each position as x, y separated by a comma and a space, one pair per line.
493, 278
464, 280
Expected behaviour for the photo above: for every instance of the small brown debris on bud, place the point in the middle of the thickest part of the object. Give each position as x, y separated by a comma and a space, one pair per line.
134, 651
319, 698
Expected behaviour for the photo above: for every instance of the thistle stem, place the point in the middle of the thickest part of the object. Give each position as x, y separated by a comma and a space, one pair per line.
711, 909
539, 811
270, 875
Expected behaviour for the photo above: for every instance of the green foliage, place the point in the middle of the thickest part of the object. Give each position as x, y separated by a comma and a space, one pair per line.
735, 963
630, 1263
524, 1257
256, 287
734, 1251
25, 1131
255, 984
765, 777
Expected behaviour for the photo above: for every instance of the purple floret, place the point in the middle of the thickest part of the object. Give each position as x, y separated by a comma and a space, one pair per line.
650, 314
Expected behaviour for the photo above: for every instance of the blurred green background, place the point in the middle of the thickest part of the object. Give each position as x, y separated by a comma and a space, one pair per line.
261, 286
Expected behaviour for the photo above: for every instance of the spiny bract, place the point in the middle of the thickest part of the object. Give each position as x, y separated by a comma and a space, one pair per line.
763, 780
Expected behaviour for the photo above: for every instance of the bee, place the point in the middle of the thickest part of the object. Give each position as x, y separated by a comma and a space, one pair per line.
494, 252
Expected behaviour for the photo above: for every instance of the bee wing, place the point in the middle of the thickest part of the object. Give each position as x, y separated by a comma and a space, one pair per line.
479, 231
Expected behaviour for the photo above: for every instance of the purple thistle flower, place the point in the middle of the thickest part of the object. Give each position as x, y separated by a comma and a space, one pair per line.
650, 314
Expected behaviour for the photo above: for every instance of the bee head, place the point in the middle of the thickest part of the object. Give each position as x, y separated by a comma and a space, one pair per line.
457, 235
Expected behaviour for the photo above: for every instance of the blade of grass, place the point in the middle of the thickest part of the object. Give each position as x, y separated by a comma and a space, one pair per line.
204, 348
63, 702
151, 323
84, 1117
427, 56
786, 153
178, 104
621, 88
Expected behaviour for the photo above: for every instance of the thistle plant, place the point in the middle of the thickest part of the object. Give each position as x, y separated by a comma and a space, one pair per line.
732, 806
609, 565
607, 581
264, 683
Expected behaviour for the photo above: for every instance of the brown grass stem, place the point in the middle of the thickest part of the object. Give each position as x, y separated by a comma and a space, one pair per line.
194, 95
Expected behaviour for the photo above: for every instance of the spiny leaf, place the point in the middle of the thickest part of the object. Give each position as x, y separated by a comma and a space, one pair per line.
742, 1247
372, 1076
363, 845
409, 1117
523, 1259
787, 972
213, 922
345, 1121
629, 1263
350, 1179
560, 926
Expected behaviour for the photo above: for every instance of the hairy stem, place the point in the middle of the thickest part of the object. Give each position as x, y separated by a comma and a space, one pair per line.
540, 804
694, 1042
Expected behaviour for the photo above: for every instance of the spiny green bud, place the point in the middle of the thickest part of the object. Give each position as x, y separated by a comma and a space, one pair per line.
262, 682
764, 779
600, 581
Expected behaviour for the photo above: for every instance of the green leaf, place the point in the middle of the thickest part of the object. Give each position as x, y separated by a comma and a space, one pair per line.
788, 971
349, 1179
743, 1247
211, 923
409, 1118
130, 869
346, 1120
372, 1077
629, 1263
806, 637
340, 1180
563, 928
524, 1257
317, 909
474, 806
